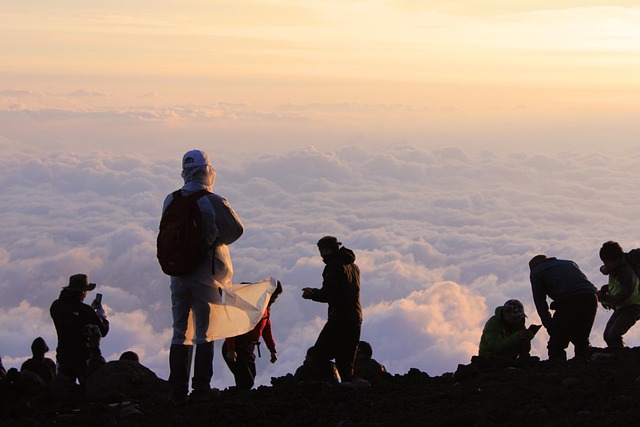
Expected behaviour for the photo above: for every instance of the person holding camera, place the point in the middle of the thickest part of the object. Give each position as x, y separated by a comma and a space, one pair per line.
70, 316
505, 339
622, 294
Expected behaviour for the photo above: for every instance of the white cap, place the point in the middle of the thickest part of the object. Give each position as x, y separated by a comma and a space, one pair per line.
195, 158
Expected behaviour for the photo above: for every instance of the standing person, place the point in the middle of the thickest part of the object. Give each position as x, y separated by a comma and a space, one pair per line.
341, 290
192, 292
40, 368
70, 316
574, 300
621, 294
238, 351
505, 340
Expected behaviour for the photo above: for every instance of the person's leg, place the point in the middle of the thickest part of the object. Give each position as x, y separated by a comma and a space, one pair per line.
346, 352
583, 309
201, 296
244, 372
559, 335
179, 367
620, 322
326, 344
203, 367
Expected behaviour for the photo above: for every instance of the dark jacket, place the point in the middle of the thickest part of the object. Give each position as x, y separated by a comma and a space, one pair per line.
558, 279
69, 316
340, 286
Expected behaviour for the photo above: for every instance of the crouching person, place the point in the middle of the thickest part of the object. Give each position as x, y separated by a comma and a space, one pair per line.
505, 340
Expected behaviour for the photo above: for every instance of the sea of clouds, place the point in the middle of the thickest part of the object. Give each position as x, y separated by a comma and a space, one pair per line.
442, 237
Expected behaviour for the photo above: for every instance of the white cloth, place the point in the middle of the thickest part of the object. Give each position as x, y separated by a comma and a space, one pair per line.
240, 306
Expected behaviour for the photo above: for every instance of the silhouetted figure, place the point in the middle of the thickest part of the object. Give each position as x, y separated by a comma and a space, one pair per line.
317, 369
574, 301
39, 369
621, 294
191, 293
70, 316
366, 367
238, 352
341, 291
505, 340
131, 356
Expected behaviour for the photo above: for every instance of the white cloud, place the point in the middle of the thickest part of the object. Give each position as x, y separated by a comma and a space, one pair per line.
442, 238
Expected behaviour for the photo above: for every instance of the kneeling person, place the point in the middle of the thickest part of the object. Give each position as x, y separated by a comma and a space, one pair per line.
505, 339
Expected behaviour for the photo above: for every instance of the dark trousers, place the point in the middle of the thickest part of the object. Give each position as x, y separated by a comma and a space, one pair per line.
180, 367
620, 322
572, 323
339, 340
243, 369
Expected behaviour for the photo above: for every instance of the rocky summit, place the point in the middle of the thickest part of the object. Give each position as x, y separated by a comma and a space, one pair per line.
603, 391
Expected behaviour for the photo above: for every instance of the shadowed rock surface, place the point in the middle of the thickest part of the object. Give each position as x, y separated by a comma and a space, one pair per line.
603, 391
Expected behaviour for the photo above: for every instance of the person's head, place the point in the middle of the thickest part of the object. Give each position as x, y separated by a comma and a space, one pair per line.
39, 347
536, 260
276, 293
130, 355
328, 244
513, 312
364, 350
196, 167
611, 254
80, 283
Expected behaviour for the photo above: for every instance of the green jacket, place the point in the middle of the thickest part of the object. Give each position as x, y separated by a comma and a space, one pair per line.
499, 339
623, 287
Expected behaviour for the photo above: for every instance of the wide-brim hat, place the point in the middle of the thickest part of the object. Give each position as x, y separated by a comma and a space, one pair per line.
328, 242
80, 282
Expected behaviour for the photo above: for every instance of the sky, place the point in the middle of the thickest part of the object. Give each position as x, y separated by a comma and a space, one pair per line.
446, 143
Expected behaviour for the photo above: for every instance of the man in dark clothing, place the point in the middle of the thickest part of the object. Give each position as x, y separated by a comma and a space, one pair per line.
39, 368
574, 301
70, 316
341, 290
621, 294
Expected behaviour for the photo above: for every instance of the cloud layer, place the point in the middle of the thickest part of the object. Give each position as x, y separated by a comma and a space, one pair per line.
442, 237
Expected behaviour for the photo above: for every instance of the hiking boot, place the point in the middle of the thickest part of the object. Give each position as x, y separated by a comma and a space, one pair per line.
204, 395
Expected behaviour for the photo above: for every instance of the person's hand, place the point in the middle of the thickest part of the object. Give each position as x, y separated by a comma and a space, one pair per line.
231, 356
307, 293
274, 356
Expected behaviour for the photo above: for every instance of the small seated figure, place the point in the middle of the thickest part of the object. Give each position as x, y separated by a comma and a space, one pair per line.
315, 370
365, 366
39, 369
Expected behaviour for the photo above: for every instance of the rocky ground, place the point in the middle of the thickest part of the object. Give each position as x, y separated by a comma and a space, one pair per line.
604, 391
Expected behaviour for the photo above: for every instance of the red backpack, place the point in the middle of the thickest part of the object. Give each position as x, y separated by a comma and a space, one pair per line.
181, 244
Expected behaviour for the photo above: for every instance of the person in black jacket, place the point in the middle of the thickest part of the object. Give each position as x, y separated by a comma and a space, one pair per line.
341, 290
70, 316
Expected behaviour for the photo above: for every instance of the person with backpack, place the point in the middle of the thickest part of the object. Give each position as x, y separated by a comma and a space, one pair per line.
195, 229
341, 291
574, 301
622, 293
238, 352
